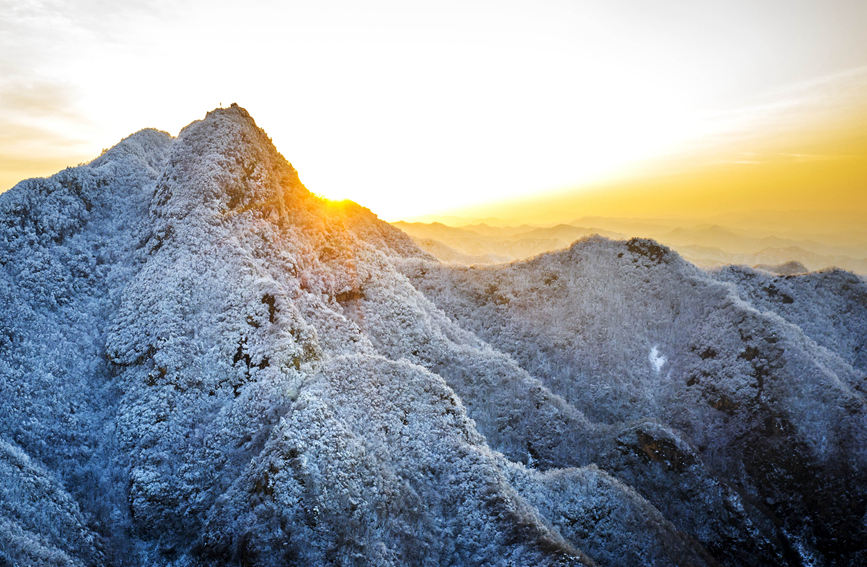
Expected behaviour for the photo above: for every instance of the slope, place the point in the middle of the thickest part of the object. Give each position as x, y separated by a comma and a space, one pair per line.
628, 332
212, 366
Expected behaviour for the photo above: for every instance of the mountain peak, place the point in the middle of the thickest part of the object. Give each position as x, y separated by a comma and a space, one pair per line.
233, 111
148, 146
226, 163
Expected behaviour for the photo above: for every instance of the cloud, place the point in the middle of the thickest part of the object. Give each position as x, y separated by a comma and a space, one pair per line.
820, 99
40, 129
37, 109
35, 99
32, 151
43, 43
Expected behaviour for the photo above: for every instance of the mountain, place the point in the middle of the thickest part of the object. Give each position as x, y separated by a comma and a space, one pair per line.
759, 386
790, 268
708, 246
202, 363
484, 244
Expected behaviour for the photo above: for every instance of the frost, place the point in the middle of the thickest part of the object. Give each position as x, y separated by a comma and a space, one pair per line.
657, 361
205, 364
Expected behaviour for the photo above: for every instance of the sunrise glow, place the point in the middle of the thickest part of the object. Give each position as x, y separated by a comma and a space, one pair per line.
424, 109
523, 283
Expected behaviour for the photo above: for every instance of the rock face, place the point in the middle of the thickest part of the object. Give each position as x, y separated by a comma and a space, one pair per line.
201, 363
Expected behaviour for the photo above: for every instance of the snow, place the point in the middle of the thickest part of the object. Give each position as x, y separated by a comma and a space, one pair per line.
744, 384
657, 361
203, 363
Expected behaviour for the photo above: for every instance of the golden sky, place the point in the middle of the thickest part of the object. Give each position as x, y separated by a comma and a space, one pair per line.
805, 160
420, 108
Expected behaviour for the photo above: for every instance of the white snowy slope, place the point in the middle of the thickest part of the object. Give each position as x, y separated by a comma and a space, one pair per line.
830, 306
201, 363
745, 399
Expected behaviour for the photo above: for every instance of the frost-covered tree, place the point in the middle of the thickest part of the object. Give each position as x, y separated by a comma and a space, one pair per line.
202, 363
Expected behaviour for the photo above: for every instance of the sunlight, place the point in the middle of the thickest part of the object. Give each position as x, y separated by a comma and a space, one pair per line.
423, 109
441, 282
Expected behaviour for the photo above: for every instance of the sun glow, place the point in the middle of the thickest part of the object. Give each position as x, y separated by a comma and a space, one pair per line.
414, 109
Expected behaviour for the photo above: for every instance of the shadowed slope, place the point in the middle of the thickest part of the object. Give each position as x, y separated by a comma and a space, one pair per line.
627, 331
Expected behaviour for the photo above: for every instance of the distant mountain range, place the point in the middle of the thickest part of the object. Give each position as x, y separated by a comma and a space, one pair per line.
202, 363
704, 245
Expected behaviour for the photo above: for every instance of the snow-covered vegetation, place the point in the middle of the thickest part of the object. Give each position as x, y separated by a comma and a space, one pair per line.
765, 394
201, 363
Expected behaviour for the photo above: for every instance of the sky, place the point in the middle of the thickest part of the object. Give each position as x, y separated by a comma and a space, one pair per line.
419, 109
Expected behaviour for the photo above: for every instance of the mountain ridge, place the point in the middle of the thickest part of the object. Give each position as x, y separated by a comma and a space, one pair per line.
706, 245
207, 364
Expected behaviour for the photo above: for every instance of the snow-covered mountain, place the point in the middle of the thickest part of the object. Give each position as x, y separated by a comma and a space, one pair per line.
201, 363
